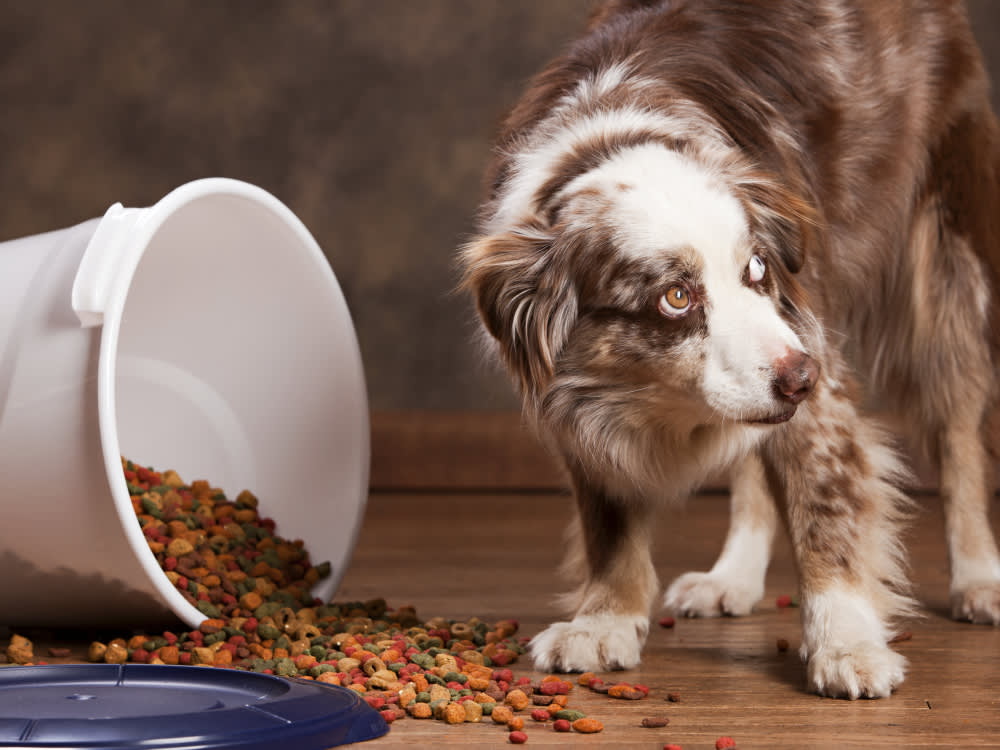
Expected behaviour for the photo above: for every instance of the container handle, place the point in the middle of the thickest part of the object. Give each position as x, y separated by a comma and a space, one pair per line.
102, 260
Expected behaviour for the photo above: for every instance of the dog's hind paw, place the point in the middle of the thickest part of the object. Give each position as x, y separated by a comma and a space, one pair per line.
590, 643
979, 602
711, 595
862, 670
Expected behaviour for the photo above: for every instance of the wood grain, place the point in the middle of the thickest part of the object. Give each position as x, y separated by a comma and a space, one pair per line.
493, 555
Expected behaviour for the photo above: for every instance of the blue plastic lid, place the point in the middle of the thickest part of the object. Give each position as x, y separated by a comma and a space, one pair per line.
117, 706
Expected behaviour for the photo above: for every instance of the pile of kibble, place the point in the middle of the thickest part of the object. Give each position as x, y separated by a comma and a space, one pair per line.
253, 585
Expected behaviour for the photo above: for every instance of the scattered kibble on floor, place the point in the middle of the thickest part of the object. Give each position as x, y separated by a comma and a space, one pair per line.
227, 560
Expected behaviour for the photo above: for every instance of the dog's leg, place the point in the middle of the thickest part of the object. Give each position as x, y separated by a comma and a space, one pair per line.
736, 582
834, 476
965, 488
612, 606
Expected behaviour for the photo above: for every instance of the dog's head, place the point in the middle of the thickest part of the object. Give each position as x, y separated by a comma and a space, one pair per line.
658, 283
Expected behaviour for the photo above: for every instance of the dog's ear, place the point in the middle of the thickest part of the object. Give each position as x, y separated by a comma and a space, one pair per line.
526, 299
786, 221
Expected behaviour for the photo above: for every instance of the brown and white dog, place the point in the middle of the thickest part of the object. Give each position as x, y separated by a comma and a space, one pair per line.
716, 229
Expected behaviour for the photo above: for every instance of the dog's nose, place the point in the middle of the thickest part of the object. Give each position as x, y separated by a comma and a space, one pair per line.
795, 374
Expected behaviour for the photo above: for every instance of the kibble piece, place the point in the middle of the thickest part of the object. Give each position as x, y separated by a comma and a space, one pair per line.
517, 738
515, 724
782, 645
116, 653
454, 713
419, 710
725, 742
95, 652
21, 650
502, 714
587, 725
561, 725
625, 691
473, 711
655, 722
540, 714
517, 699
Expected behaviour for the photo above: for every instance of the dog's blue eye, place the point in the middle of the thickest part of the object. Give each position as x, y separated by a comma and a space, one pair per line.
756, 269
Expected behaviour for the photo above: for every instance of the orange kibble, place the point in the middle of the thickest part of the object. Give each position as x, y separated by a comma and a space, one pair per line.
251, 600
502, 714
516, 724
560, 700
587, 725
517, 699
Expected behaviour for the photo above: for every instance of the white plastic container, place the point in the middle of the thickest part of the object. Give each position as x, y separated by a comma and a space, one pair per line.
206, 334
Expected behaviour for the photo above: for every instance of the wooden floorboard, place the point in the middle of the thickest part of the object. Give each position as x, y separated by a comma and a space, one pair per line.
494, 556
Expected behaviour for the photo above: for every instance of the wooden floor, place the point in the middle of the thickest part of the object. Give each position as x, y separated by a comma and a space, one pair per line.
494, 556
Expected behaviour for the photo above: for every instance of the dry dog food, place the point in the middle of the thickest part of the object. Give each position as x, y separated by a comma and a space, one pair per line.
226, 558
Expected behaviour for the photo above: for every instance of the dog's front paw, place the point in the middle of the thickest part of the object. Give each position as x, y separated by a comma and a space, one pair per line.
711, 595
590, 643
978, 602
862, 670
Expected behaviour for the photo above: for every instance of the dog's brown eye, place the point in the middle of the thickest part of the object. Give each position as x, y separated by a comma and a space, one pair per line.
675, 302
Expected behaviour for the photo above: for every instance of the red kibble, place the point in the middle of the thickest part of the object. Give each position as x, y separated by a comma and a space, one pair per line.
250, 626
540, 714
349, 650
724, 742
503, 674
549, 688
454, 685
182, 583
184, 657
169, 563
672, 747
784, 601
517, 738
375, 701
667, 622
642, 688
561, 725
140, 655
388, 716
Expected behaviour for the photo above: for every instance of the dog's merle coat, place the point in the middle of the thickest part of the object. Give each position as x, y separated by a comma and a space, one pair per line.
715, 230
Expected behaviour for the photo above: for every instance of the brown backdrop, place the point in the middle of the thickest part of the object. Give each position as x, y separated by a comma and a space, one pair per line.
371, 119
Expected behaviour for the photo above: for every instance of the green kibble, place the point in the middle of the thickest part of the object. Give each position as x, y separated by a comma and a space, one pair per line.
208, 609
569, 714
456, 677
268, 632
488, 708
423, 697
283, 642
285, 668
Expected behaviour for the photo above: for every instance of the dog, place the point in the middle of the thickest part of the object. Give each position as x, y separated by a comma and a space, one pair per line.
715, 232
